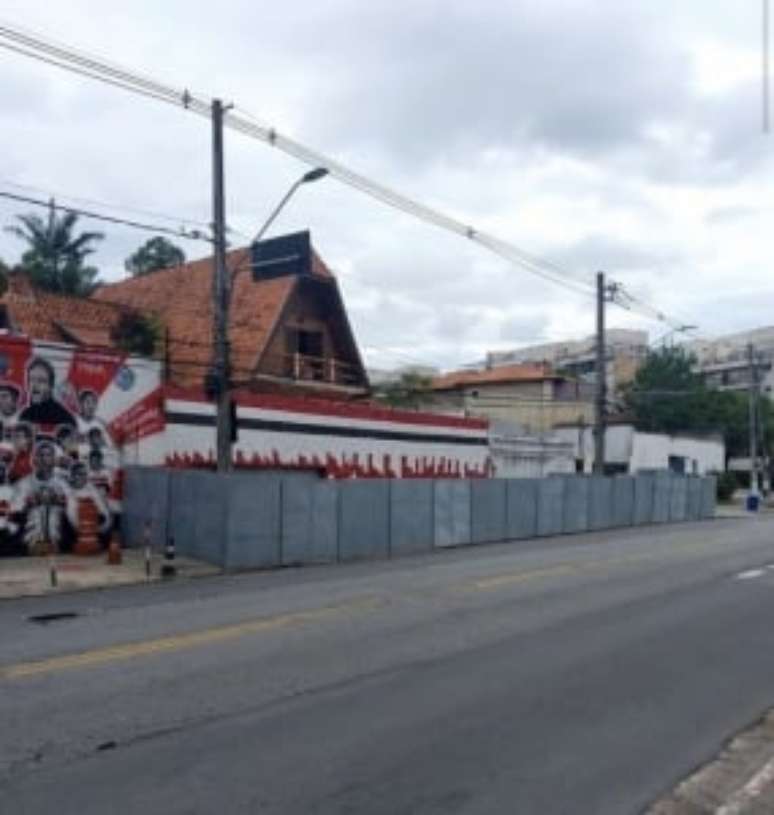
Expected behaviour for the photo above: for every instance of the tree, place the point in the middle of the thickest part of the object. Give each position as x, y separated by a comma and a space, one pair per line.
136, 333
411, 390
668, 396
156, 253
56, 257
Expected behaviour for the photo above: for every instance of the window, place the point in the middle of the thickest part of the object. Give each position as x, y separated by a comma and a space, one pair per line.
306, 350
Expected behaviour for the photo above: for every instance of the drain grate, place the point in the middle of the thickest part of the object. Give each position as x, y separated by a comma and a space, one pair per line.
55, 616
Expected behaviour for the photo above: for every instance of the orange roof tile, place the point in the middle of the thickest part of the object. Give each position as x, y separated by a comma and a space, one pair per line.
42, 315
182, 297
499, 375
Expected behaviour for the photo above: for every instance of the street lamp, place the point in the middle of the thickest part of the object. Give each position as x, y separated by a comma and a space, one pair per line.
307, 178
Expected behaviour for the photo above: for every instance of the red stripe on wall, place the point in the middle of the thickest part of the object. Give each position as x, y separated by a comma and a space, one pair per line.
325, 407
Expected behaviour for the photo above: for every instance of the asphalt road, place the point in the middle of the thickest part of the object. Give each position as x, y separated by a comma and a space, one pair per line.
578, 675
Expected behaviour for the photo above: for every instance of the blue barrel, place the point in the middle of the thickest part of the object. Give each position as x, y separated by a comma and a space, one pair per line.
753, 502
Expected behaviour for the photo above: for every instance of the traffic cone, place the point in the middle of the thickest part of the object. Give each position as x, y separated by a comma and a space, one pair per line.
114, 552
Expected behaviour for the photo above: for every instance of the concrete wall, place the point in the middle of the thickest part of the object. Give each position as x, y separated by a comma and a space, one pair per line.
263, 520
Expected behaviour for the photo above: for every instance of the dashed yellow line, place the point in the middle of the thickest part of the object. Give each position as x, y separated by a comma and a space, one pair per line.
486, 583
180, 642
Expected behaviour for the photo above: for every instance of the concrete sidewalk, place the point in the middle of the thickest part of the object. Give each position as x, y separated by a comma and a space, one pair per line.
30, 576
740, 781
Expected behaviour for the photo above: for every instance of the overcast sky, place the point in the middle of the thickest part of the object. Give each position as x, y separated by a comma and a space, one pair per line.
593, 133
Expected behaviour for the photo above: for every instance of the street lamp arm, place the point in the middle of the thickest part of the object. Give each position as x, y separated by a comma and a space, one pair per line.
308, 177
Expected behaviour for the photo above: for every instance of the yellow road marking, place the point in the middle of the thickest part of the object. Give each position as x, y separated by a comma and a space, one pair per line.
179, 642
486, 583
510, 578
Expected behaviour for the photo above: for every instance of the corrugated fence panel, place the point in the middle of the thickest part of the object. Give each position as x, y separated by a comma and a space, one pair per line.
182, 520
661, 497
252, 522
310, 520
210, 495
364, 519
488, 510
576, 504
694, 498
708, 496
550, 505
521, 508
601, 503
644, 490
146, 491
451, 512
678, 498
623, 500
411, 516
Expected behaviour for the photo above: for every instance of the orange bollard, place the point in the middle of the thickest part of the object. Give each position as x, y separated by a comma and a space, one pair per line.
114, 552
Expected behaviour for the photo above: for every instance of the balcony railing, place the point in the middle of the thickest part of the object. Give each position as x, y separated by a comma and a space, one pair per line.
305, 368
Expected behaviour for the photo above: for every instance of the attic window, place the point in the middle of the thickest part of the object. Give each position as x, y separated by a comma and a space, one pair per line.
4, 324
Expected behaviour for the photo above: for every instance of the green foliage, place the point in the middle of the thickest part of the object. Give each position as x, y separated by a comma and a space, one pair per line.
55, 258
727, 483
156, 253
410, 391
136, 333
666, 396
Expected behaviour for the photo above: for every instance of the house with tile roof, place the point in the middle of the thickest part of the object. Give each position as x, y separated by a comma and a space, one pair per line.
288, 332
26, 310
531, 395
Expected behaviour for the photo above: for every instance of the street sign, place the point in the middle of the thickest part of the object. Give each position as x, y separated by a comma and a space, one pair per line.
285, 255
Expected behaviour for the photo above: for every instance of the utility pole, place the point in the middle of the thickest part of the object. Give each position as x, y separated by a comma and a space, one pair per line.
220, 297
753, 405
600, 380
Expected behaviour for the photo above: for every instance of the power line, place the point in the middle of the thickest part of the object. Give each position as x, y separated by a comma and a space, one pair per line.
181, 233
104, 204
65, 57
62, 56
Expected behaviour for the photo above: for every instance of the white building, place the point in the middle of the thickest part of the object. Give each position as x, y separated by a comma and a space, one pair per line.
724, 363
517, 454
628, 450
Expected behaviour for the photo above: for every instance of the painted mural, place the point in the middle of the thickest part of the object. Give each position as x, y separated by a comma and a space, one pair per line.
66, 415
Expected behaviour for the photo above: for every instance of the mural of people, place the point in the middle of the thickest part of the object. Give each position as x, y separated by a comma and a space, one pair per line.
22, 438
87, 512
43, 409
63, 411
9, 403
9, 528
42, 499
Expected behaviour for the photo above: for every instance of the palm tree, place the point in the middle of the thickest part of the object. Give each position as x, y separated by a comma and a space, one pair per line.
55, 257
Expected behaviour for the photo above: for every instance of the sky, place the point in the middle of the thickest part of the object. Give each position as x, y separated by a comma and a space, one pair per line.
595, 134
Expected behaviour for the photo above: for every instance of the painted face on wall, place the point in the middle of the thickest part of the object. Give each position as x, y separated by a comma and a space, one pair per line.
22, 438
45, 460
40, 383
8, 402
88, 405
78, 476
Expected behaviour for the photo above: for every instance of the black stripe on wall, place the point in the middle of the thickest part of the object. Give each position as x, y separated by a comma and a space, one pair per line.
275, 426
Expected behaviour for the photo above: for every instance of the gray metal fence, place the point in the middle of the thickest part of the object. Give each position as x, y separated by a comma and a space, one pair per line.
255, 520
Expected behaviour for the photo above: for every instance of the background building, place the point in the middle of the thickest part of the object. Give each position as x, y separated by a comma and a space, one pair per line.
629, 451
626, 349
532, 396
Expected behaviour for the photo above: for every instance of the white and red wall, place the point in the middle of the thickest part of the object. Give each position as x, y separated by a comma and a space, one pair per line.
336, 439
149, 424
